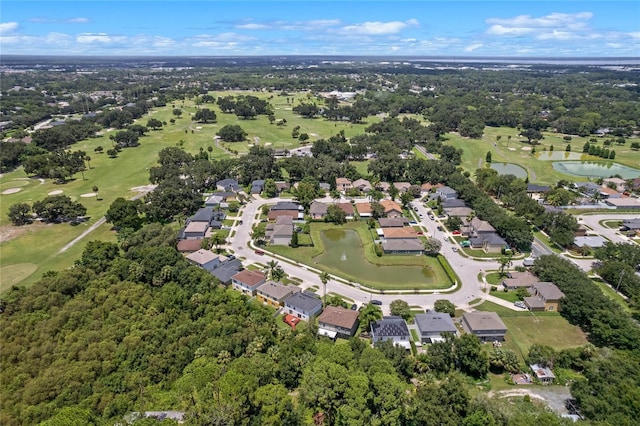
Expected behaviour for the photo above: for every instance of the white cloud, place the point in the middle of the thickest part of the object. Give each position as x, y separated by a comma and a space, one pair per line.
379, 28
79, 20
558, 26
100, 38
473, 47
252, 26
8, 27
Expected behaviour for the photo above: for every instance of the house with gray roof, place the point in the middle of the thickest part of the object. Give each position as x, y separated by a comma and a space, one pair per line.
486, 325
458, 211
257, 186
545, 296
445, 193
318, 210
631, 224
206, 259
391, 328
225, 272
593, 241
453, 202
280, 232
275, 293
489, 243
303, 305
517, 280
403, 246
393, 222
228, 184
432, 325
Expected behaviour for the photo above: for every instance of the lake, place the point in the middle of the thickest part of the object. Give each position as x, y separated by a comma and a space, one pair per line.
509, 169
344, 251
596, 169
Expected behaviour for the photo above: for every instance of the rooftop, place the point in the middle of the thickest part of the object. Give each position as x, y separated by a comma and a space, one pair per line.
199, 227
202, 256
339, 317
403, 244
304, 302
391, 326
479, 321
548, 291
277, 290
437, 322
249, 277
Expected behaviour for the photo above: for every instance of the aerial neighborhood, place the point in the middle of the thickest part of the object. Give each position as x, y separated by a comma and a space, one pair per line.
301, 241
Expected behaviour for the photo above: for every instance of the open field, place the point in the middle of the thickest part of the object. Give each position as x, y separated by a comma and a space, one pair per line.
527, 328
518, 151
306, 255
115, 177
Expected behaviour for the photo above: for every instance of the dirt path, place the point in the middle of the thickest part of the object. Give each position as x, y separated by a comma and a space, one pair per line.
142, 191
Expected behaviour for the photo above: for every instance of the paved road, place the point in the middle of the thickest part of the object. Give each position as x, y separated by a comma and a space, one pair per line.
424, 152
592, 221
466, 268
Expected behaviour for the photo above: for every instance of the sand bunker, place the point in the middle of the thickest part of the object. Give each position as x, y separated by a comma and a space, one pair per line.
526, 148
11, 191
512, 149
55, 192
198, 127
88, 194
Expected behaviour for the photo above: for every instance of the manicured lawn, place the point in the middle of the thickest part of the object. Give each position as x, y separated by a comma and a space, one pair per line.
527, 328
613, 224
493, 278
305, 255
509, 296
511, 151
611, 294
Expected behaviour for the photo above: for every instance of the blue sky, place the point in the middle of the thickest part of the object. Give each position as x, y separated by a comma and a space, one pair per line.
224, 28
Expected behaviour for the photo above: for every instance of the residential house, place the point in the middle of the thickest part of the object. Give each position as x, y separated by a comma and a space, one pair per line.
489, 243
343, 184
257, 186
275, 293
362, 185
228, 184
425, 188
446, 193
318, 210
592, 241
607, 193
248, 281
632, 225
403, 246
581, 231
486, 325
453, 202
517, 280
280, 232
391, 208
210, 216
282, 186
219, 199
383, 186
539, 190
347, 208
619, 183
432, 325
206, 259
398, 222
189, 246
325, 186
303, 305
545, 296
543, 374
477, 227
461, 212
587, 188
397, 233
402, 186
286, 208
336, 321
364, 209
225, 272
195, 231
627, 203
391, 328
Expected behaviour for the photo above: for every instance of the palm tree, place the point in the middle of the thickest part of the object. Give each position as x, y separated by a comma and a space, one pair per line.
505, 263
271, 265
369, 314
325, 277
277, 273
217, 239
470, 217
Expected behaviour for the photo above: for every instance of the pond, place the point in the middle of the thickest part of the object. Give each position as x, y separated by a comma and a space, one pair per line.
344, 251
560, 155
596, 169
509, 169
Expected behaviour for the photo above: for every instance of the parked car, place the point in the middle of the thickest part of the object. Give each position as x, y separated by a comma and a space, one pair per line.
454, 248
431, 217
260, 252
456, 232
520, 305
354, 307
376, 302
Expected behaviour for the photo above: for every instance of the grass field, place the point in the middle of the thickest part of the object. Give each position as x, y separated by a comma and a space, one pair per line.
305, 255
517, 151
23, 247
526, 328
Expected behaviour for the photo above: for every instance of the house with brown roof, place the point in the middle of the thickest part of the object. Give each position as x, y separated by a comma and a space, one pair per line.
348, 209
282, 186
545, 296
461, 212
274, 293
364, 209
486, 325
195, 230
383, 186
607, 192
189, 246
403, 246
396, 222
247, 281
402, 186
391, 208
517, 280
336, 321
395, 233
425, 188
343, 184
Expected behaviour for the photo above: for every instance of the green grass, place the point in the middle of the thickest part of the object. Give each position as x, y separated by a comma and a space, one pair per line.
511, 151
509, 296
526, 328
611, 224
611, 294
493, 278
305, 255
543, 237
